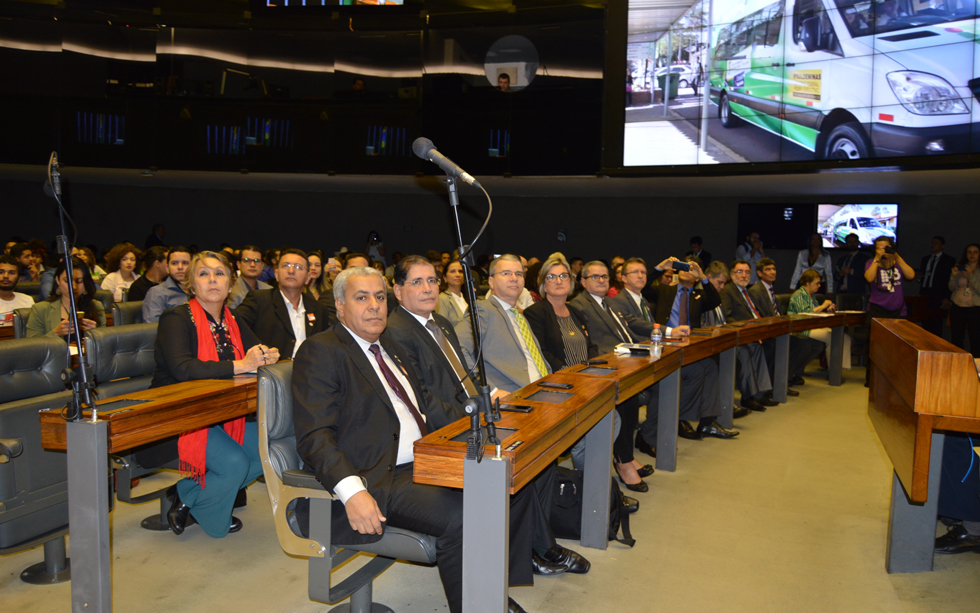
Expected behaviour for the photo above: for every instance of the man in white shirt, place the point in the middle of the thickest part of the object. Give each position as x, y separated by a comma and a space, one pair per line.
250, 266
10, 299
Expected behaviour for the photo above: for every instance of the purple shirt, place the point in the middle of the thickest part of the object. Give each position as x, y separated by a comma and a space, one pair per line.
886, 289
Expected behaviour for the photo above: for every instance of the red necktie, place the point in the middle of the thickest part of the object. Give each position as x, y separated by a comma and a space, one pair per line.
751, 304
396, 386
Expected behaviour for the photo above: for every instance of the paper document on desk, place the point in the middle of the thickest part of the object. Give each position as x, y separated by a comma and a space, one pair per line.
852, 312
816, 314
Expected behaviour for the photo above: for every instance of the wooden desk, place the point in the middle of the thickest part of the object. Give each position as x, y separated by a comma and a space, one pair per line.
920, 384
6, 332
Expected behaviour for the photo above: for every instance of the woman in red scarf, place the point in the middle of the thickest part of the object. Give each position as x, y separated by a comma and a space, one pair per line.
202, 340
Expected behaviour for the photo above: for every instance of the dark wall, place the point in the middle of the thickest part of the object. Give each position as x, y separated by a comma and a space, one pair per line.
598, 217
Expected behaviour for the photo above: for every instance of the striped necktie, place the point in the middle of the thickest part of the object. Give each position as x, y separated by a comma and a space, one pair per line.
450, 354
745, 294
532, 346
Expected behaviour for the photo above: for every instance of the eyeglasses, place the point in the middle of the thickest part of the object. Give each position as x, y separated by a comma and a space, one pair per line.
563, 276
741, 272
507, 274
598, 277
418, 282
296, 267
251, 260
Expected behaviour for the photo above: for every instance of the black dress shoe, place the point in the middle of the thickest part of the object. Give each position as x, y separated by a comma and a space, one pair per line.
241, 499
684, 430
714, 429
740, 413
540, 566
566, 559
753, 405
957, 540
790, 392
645, 471
513, 607
178, 517
635, 487
236, 525
630, 505
767, 401
644, 447
797, 381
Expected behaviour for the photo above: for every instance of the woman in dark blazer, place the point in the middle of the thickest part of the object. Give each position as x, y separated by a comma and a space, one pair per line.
559, 328
203, 340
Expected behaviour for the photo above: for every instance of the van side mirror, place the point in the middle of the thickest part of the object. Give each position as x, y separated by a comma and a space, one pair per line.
810, 34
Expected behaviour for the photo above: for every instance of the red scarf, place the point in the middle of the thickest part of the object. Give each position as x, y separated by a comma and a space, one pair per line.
192, 447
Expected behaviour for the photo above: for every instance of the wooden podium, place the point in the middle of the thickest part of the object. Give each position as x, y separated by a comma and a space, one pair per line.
920, 385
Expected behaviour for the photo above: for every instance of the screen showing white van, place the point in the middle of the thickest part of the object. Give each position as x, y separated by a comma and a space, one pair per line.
798, 80
835, 222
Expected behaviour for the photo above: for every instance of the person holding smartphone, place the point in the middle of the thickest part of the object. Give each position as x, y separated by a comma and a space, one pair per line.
53, 316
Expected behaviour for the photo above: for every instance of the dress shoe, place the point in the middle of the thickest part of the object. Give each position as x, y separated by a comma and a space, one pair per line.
957, 540
753, 405
241, 499
797, 381
767, 401
513, 607
645, 471
714, 429
236, 525
740, 413
178, 517
684, 430
644, 447
567, 559
635, 487
790, 392
540, 566
630, 505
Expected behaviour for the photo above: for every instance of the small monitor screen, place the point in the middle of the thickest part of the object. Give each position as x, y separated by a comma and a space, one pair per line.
835, 222
780, 226
550, 396
597, 370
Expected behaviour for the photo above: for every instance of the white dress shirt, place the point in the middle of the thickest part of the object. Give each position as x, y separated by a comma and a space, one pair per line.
297, 317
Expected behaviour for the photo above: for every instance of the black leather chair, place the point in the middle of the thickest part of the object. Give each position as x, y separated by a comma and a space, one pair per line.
20, 322
288, 481
31, 288
127, 313
105, 297
33, 482
121, 361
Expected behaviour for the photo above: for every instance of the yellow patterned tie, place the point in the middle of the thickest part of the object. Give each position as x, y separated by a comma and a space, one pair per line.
529, 341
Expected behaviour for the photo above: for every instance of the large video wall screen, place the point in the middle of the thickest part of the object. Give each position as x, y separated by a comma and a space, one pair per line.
800, 80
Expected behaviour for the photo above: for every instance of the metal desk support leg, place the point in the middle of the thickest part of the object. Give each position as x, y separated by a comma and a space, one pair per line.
486, 532
667, 416
595, 489
726, 386
912, 527
781, 369
88, 516
836, 361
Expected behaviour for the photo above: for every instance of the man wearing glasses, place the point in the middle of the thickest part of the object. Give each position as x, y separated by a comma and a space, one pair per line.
249, 269
284, 317
512, 354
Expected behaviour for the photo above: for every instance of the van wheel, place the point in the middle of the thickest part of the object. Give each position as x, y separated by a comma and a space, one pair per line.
682, 84
728, 118
847, 142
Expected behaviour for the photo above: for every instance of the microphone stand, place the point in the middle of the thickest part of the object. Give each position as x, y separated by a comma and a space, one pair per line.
481, 404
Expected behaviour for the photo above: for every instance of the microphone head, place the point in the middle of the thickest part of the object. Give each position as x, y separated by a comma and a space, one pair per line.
422, 146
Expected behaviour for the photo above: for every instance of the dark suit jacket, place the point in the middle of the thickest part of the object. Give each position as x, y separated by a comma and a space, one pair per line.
940, 279
602, 329
705, 258
427, 358
265, 312
630, 312
762, 299
543, 320
734, 305
856, 283
345, 422
704, 297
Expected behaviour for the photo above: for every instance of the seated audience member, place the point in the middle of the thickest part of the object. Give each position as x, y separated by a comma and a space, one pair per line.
681, 305
121, 262
52, 316
531, 280
346, 382
697, 250
271, 260
250, 268
615, 281
433, 349
751, 251
959, 495
524, 300
356, 260
155, 239
453, 301
88, 256
202, 339
802, 349
170, 292
752, 373
286, 316
802, 302
850, 268
9, 298
316, 284
39, 254
28, 270
154, 272
7, 247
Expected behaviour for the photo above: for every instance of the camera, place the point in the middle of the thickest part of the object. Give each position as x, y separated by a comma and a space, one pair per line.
890, 250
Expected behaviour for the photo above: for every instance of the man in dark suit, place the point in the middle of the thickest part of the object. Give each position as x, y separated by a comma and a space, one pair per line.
802, 349
285, 316
432, 348
358, 403
698, 251
934, 273
850, 269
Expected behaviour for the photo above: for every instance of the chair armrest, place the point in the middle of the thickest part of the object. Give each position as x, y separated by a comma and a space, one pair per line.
301, 478
10, 448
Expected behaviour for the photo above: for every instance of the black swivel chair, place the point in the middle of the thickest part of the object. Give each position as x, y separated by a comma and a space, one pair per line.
127, 313
287, 480
20, 322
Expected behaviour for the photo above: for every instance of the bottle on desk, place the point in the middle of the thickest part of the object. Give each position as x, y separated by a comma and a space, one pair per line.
656, 339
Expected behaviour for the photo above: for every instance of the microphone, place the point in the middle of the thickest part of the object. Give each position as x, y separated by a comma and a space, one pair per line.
55, 175
423, 148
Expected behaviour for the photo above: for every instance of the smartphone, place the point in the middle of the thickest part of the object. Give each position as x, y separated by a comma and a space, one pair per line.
595, 362
681, 265
558, 386
517, 408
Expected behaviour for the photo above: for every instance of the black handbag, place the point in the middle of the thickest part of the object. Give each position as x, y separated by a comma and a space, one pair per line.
566, 516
